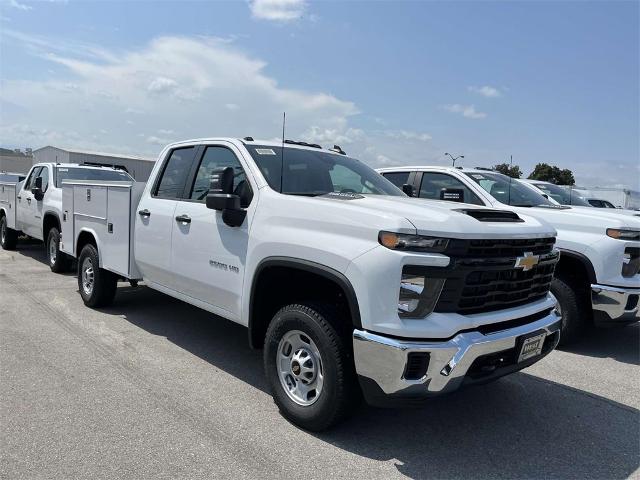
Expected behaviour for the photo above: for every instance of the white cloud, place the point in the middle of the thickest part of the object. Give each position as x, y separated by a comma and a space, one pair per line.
486, 91
153, 86
20, 6
277, 10
468, 111
162, 85
408, 135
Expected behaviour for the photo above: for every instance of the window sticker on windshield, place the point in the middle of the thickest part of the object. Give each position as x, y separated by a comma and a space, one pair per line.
63, 169
265, 151
477, 176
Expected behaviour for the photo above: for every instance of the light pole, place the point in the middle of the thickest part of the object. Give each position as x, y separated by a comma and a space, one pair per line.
453, 159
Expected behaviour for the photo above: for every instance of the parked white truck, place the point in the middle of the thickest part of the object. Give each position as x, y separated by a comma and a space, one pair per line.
598, 275
32, 205
348, 285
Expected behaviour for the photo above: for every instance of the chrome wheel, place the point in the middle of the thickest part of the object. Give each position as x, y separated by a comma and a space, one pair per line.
87, 276
53, 251
3, 231
300, 368
558, 308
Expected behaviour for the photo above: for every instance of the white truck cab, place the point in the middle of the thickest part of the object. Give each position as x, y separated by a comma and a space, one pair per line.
349, 286
32, 205
598, 275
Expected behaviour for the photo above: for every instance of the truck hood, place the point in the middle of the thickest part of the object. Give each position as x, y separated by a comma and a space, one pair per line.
581, 218
438, 218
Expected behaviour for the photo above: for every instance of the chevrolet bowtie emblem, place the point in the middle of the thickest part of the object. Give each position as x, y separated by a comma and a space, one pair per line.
527, 262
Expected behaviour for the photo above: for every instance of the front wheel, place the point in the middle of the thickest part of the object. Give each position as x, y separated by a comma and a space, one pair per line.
8, 236
309, 367
571, 307
97, 286
58, 261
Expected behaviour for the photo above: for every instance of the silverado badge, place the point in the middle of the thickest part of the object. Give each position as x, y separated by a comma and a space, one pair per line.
527, 262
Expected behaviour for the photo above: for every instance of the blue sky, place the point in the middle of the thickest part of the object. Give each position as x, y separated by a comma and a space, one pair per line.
394, 83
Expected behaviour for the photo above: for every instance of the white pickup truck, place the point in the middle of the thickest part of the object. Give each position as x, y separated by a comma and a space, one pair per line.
598, 276
32, 205
348, 285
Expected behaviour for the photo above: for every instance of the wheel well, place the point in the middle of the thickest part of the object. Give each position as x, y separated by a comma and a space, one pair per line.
573, 269
85, 238
50, 221
276, 286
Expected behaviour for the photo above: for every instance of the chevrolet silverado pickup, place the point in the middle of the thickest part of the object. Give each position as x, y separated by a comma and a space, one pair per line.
597, 280
348, 286
32, 205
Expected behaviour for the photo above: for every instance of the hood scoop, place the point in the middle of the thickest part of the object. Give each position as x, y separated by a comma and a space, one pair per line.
485, 215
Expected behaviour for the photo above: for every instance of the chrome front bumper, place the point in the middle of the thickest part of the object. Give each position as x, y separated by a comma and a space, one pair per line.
615, 304
468, 357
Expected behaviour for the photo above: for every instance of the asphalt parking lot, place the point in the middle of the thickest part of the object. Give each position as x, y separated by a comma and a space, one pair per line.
155, 388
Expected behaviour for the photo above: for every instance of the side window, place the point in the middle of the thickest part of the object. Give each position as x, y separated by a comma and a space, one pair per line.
174, 175
397, 178
216, 158
44, 173
29, 181
433, 183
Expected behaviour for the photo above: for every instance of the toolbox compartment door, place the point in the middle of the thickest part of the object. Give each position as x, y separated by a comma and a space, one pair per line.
8, 203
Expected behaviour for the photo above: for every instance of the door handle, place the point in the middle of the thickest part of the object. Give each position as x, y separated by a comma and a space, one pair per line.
29, 200
19, 197
183, 219
144, 213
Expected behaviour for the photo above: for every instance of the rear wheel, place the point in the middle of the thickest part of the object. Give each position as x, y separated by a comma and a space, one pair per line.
309, 367
8, 236
58, 261
572, 307
97, 286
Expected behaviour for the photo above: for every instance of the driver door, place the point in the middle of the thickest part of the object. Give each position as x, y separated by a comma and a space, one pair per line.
208, 257
26, 208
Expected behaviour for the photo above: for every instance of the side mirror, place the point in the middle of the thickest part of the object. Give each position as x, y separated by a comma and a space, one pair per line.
408, 189
36, 190
452, 194
221, 197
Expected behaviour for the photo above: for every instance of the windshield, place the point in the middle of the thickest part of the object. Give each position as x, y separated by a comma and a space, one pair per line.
509, 191
563, 195
312, 173
79, 173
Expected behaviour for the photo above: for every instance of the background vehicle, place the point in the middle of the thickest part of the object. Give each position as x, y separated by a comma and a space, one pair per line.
349, 286
32, 205
598, 275
567, 196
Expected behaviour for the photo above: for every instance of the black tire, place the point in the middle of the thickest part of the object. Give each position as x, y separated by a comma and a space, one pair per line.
573, 308
8, 236
340, 391
104, 283
59, 262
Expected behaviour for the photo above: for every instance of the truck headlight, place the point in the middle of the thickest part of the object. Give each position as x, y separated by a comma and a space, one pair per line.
631, 262
418, 294
624, 234
415, 243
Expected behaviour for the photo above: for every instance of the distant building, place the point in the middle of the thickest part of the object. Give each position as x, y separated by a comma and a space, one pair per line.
15, 161
139, 167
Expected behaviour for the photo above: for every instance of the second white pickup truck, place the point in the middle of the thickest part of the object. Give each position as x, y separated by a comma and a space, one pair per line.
598, 276
32, 205
349, 286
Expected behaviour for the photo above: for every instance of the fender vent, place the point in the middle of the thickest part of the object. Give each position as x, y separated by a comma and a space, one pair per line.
483, 215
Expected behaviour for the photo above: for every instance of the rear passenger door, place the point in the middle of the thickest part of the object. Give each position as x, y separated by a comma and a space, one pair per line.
155, 218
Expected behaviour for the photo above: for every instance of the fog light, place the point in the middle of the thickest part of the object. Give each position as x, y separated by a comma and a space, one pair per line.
631, 262
418, 294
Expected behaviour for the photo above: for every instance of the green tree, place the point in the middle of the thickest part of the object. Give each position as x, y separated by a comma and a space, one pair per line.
553, 174
512, 171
